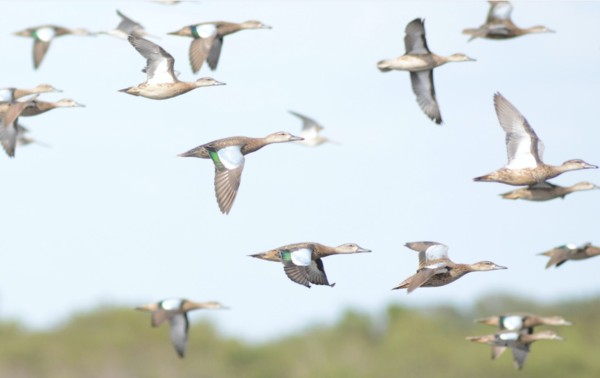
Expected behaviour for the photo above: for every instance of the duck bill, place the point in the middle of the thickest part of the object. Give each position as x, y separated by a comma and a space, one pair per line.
360, 249
219, 83
295, 138
499, 267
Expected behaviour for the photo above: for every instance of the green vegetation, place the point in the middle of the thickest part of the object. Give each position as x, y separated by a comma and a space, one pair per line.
401, 342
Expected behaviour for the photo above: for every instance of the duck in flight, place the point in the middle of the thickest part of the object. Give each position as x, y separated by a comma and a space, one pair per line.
208, 39
524, 149
302, 261
43, 35
420, 62
161, 82
436, 269
227, 155
175, 311
499, 25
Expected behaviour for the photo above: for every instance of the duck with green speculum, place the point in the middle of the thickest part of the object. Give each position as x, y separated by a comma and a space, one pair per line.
420, 62
562, 254
524, 149
161, 82
175, 311
43, 35
436, 269
522, 321
228, 157
547, 191
302, 261
499, 25
518, 342
208, 39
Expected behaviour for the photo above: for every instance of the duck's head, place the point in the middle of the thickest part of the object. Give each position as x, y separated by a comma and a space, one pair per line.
539, 29
282, 136
351, 248
208, 82
253, 24
68, 103
585, 185
188, 305
577, 164
45, 88
547, 335
460, 57
486, 265
557, 321
492, 320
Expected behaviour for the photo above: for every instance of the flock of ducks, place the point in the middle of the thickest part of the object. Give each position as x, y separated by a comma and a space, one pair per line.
302, 262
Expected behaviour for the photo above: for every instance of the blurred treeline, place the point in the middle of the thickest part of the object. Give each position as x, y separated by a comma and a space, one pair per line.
399, 342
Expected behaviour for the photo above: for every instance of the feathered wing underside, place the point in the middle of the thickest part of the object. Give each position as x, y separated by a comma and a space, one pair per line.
316, 273
128, 26
308, 124
523, 147
298, 274
557, 257
520, 352
8, 137
158, 317
159, 63
199, 50
305, 275
215, 53
179, 331
424, 274
9, 128
39, 51
497, 351
499, 11
414, 40
229, 164
422, 85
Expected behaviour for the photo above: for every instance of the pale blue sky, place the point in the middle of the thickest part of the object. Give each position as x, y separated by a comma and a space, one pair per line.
110, 215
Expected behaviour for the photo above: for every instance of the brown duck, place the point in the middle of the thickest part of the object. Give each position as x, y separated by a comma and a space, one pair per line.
498, 24
421, 62
436, 269
208, 39
302, 261
560, 255
518, 342
228, 156
522, 321
161, 82
547, 191
525, 149
43, 35
175, 311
